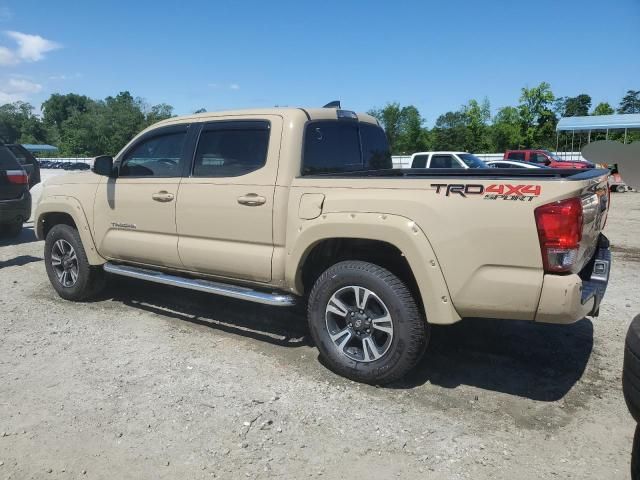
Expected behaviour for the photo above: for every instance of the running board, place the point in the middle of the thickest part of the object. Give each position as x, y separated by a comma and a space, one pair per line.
207, 286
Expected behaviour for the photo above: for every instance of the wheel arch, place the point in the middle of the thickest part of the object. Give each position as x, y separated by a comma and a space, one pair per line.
68, 211
391, 241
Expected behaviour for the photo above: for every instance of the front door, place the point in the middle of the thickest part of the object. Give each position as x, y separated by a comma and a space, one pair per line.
135, 213
225, 205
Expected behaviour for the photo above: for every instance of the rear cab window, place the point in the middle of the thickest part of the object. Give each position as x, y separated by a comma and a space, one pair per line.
516, 156
334, 146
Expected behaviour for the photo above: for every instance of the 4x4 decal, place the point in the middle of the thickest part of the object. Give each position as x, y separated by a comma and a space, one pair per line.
500, 191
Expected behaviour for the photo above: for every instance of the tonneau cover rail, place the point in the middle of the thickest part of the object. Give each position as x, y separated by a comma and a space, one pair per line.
543, 173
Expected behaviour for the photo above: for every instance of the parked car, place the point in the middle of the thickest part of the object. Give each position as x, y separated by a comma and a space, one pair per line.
545, 157
513, 164
15, 199
446, 160
27, 161
76, 166
285, 205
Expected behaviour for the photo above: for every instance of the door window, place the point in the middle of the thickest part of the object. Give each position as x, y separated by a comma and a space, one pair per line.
538, 158
443, 161
231, 149
158, 156
420, 161
516, 156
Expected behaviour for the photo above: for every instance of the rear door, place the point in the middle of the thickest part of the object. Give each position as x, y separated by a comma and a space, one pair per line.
28, 162
9, 166
225, 204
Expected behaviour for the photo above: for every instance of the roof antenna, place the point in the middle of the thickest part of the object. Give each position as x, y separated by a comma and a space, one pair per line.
334, 104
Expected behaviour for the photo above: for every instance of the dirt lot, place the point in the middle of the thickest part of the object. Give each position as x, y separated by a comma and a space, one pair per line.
153, 382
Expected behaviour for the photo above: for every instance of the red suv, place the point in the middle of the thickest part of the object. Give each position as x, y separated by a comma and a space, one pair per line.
545, 157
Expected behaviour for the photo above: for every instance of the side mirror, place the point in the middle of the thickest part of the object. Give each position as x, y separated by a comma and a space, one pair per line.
103, 165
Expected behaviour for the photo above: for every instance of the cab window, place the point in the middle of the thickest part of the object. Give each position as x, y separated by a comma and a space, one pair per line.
231, 149
157, 156
444, 161
333, 146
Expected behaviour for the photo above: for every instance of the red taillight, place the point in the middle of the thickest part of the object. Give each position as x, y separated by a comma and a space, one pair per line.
18, 177
559, 231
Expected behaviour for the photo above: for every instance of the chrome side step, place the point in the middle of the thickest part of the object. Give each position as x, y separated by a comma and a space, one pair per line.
207, 286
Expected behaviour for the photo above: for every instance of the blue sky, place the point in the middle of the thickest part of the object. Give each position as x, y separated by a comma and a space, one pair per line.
234, 54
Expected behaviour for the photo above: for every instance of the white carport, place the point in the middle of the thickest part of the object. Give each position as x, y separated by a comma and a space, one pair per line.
590, 123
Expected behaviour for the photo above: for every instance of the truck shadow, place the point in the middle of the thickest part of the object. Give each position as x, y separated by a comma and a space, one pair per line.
536, 361
275, 325
540, 362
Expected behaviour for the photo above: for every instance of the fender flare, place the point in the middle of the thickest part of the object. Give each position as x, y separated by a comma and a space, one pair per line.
72, 207
396, 230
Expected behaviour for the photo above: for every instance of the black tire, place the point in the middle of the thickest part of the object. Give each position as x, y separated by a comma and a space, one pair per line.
635, 455
631, 369
90, 279
410, 329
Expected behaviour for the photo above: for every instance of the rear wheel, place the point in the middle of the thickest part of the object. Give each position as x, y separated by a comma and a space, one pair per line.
365, 323
67, 266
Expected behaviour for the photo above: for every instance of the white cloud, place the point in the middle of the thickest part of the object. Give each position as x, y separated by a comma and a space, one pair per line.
17, 89
234, 86
30, 48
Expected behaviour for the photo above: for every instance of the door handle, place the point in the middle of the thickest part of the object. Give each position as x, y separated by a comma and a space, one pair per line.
162, 196
251, 200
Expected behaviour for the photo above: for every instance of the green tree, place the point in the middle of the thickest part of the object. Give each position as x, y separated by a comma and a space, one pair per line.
450, 131
201, 110
603, 108
18, 123
159, 112
57, 108
506, 131
630, 103
412, 134
577, 106
403, 126
477, 116
390, 117
538, 121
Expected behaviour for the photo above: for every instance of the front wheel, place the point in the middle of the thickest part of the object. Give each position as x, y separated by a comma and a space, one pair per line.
366, 323
68, 269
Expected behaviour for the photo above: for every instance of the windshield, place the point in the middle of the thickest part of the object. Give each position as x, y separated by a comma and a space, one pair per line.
553, 155
472, 161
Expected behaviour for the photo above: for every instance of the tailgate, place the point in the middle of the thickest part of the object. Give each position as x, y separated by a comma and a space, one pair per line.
595, 207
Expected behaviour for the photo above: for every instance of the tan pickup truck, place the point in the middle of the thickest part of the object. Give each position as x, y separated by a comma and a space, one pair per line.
289, 204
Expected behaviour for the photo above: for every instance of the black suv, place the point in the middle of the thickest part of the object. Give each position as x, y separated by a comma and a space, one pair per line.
15, 199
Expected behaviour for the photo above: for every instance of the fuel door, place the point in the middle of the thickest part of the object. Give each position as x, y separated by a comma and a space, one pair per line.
310, 205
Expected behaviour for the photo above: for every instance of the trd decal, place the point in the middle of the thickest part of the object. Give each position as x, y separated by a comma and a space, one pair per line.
503, 191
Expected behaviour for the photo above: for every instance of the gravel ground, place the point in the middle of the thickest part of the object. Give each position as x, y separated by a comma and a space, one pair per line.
154, 382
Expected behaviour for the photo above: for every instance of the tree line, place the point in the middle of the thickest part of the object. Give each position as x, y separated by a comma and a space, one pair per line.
78, 125
472, 128
81, 126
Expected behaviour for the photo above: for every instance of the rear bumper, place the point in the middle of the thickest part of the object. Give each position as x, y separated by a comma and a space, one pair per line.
569, 298
15, 210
